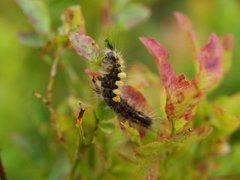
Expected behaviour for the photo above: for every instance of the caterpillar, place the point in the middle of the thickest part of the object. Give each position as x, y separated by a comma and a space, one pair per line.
109, 83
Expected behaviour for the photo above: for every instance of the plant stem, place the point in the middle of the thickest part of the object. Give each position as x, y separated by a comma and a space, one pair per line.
77, 153
80, 142
47, 99
52, 76
173, 127
81, 147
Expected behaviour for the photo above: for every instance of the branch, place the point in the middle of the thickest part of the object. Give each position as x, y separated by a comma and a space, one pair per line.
48, 98
52, 76
81, 145
41, 97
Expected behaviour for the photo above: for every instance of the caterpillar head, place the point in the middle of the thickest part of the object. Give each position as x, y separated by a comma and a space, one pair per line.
110, 54
112, 58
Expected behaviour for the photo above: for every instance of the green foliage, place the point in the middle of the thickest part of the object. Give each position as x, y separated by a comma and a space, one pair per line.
37, 13
131, 15
72, 134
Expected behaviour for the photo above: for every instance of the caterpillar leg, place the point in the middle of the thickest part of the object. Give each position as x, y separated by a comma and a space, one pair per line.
97, 88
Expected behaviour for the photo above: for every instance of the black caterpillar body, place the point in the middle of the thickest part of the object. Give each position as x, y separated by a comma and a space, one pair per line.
110, 83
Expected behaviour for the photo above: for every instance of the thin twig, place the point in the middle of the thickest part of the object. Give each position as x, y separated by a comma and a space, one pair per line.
40, 97
48, 98
52, 76
80, 142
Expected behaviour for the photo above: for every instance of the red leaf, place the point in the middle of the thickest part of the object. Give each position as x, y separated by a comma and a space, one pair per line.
211, 62
170, 80
181, 93
186, 25
161, 58
134, 97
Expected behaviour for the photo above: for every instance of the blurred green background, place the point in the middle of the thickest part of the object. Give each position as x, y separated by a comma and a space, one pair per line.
22, 70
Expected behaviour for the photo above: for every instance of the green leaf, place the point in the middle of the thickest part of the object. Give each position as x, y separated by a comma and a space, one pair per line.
120, 4
230, 104
148, 156
224, 121
107, 127
132, 133
31, 39
188, 136
151, 148
148, 168
103, 112
228, 166
180, 124
37, 13
72, 20
132, 15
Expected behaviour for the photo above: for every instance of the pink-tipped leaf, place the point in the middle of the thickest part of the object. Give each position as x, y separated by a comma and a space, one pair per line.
72, 20
84, 45
211, 63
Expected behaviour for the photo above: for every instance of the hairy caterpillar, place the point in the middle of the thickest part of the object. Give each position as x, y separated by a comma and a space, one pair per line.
109, 83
